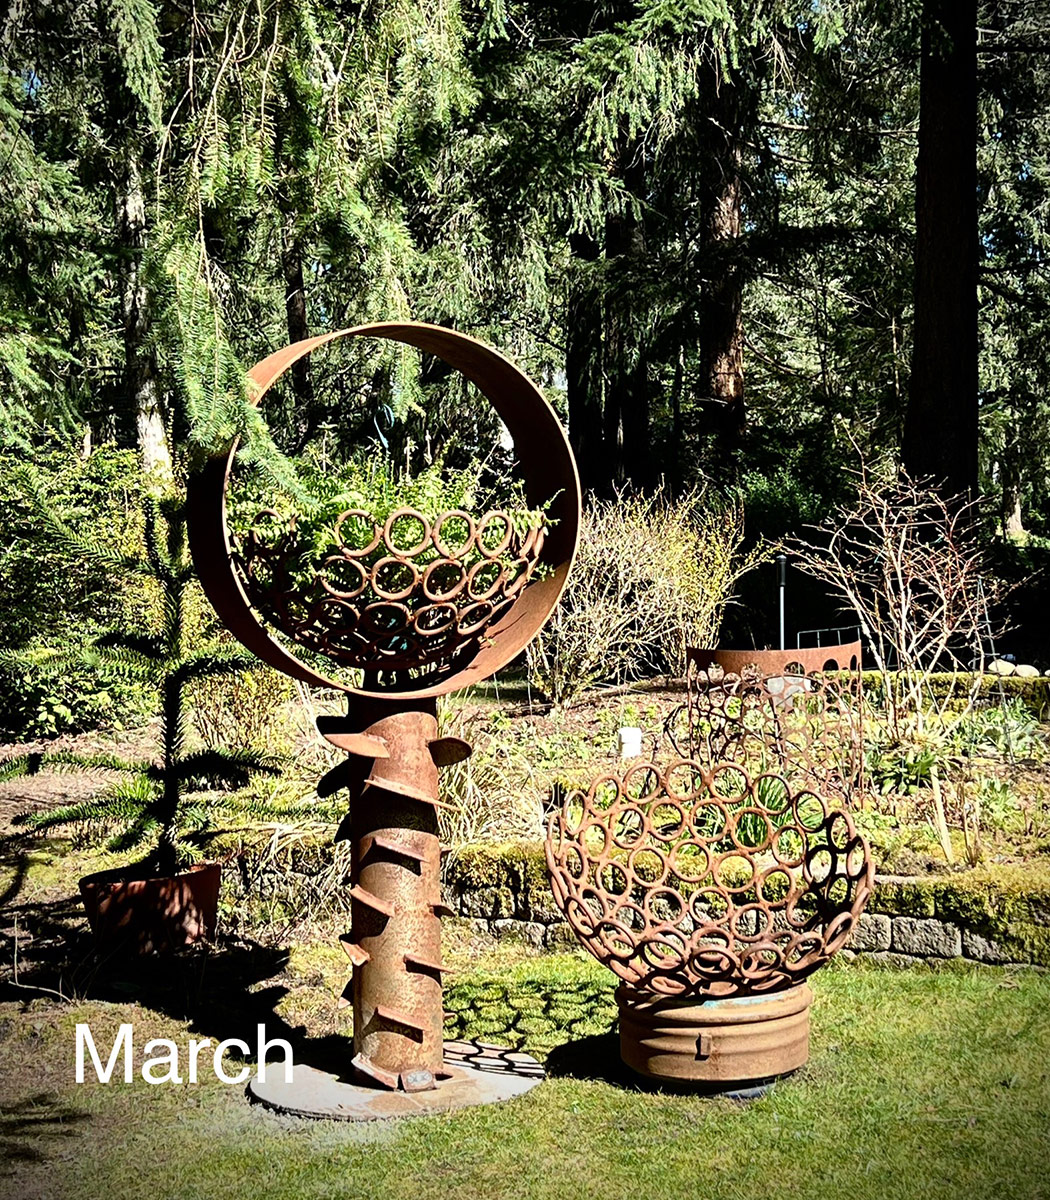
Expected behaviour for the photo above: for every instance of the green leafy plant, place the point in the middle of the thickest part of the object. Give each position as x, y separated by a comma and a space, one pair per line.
160, 804
1006, 730
55, 597
305, 529
900, 768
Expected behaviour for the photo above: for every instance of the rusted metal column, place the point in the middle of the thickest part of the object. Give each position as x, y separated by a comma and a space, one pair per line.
394, 943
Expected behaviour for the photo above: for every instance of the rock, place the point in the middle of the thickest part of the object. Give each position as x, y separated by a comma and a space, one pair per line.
999, 666
928, 938
527, 931
487, 902
871, 933
560, 937
1025, 671
982, 949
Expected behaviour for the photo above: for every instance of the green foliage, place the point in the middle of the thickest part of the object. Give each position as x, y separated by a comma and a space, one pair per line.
901, 769
1009, 730
57, 600
152, 808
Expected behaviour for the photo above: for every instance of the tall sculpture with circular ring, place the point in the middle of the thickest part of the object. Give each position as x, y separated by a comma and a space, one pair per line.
419, 608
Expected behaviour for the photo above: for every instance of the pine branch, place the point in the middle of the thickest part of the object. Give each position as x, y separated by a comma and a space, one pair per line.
233, 767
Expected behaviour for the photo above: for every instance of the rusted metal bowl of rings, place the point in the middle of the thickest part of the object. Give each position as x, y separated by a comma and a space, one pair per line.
419, 613
712, 894
401, 594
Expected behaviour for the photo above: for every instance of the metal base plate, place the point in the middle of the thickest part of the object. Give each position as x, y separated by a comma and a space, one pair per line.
478, 1074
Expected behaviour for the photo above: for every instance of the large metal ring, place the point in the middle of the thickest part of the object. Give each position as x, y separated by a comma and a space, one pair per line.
549, 474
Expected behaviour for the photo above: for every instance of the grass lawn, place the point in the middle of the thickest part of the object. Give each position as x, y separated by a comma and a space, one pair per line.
921, 1084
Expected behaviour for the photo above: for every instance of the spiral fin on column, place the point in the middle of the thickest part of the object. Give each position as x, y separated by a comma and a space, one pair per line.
347, 996
355, 953
385, 1078
364, 896
448, 750
393, 1016
395, 847
406, 789
442, 910
365, 745
349, 773
419, 963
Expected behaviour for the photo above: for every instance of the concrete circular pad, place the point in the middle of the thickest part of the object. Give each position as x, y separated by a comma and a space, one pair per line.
478, 1074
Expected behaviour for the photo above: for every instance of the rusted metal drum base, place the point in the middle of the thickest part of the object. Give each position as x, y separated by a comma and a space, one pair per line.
476, 1073
716, 1043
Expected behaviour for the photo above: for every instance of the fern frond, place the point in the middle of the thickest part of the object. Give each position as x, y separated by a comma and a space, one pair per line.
114, 804
17, 768
136, 833
87, 549
206, 665
250, 804
60, 760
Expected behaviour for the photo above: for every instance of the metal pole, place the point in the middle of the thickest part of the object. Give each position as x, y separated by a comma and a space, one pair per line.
782, 563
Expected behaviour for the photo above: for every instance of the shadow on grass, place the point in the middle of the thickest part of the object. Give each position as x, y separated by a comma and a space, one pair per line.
228, 989
572, 1025
220, 991
35, 1119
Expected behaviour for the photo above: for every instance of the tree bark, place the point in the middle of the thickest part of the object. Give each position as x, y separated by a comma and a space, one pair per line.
941, 426
583, 369
626, 393
140, 364
723, 348
295, 309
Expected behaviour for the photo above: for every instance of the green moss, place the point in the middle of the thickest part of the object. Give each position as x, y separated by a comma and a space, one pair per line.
1007, 904
511, 864
903, 898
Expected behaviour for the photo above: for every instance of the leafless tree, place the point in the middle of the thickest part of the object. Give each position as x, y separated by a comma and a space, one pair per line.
908, 562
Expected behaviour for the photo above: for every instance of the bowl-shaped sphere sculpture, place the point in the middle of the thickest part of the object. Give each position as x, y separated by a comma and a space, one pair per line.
693, 879
807, 727
404, 594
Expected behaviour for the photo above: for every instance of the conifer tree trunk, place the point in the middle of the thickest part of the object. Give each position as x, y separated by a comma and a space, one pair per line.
583, 370
142, 384
730, 113
941, 427
295, 308
723, 358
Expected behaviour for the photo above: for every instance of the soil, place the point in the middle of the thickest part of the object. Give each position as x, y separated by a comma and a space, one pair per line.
65, 784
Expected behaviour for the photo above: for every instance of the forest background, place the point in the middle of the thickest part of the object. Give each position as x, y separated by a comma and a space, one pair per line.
742, 244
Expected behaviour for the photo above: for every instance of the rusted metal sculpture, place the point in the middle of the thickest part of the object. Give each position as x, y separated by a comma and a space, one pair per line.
400, 603
809, 727
802, 661
713, 887
712, 894
402, 595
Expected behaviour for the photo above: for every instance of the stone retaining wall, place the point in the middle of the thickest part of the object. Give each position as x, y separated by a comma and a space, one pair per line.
995, 917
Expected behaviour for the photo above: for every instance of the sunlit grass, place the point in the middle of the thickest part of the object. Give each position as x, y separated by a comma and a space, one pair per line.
921, 1083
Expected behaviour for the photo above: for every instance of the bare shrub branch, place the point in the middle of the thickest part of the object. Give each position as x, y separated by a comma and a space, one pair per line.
652, 576
907, 561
